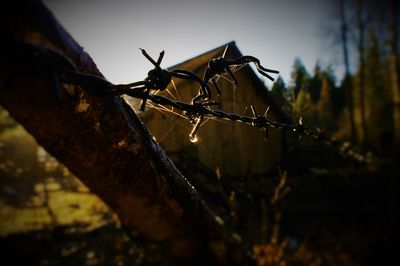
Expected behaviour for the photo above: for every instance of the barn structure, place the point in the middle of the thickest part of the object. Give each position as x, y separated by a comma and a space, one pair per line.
225, 149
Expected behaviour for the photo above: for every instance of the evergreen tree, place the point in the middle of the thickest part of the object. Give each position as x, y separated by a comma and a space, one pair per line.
315, 84
279, 92
377, 94
336, 94
300, 78
339, 99
324, 105
304, 107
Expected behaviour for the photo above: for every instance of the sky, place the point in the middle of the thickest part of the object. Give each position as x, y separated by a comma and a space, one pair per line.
275, 31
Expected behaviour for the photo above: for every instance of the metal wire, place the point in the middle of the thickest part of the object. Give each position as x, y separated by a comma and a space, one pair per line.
159, 78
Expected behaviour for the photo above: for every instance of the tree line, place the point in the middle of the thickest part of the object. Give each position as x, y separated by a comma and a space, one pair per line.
364, 106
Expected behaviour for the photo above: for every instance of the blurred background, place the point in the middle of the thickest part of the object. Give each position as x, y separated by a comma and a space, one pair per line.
339, 71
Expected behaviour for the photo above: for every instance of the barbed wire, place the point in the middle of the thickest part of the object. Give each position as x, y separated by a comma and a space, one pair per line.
158, 79
197, 112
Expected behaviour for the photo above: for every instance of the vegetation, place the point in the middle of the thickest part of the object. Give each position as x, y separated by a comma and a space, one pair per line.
322, 100
316, 208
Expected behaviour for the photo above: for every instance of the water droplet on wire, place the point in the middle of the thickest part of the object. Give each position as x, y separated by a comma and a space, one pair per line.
193, 138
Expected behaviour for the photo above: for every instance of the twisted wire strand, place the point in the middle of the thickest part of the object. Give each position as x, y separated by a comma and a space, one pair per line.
56, 63
191, 111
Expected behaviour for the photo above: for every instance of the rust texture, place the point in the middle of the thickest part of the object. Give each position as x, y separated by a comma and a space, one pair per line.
102, 141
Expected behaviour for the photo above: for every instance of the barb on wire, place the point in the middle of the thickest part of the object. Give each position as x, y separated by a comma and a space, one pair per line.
158, 79
198, 112
219, 66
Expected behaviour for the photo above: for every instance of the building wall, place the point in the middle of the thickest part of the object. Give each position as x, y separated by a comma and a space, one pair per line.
232, 147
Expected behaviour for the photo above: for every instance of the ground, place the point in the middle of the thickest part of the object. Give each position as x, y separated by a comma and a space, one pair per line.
331, 213
48, 217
